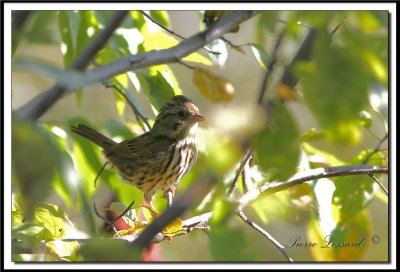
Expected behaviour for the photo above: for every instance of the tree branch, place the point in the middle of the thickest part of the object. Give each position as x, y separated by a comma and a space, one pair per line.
318, 173
40, 104
190, 197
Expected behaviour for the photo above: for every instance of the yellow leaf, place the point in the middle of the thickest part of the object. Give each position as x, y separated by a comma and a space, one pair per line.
160, 40
62, 248
172, 229
214, 87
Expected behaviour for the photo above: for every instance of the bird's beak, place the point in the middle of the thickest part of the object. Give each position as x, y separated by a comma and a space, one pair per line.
197, 117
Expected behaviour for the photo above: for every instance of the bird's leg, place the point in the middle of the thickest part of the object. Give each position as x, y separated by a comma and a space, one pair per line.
169, 195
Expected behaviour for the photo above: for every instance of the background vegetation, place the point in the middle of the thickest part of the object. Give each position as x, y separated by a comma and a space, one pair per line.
284, 93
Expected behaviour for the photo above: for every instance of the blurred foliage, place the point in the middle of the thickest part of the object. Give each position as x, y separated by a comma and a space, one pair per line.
344, 86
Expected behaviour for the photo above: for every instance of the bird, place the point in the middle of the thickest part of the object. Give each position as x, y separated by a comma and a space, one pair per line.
158, 159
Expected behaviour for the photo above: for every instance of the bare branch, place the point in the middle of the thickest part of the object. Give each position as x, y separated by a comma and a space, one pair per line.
378, 146
265, 233
313, 174
240, 169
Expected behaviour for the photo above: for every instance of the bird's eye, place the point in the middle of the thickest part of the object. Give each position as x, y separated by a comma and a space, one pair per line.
181, 114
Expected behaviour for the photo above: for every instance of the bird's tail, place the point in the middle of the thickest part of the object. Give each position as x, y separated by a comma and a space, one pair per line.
93, 136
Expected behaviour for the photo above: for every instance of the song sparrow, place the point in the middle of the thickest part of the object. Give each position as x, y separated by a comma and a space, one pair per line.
159, 158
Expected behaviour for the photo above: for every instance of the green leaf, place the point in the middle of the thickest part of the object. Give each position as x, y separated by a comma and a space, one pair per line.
39, 31
67, 46
29, 233
160, 16
365, 119
61, 248
277, 145
156, 88
52, 219
69, 78
34, 162
313, 135
260, 55
331, 159
228, 244
351, 195
335, 89
379, 99
266, 25
222, 211
117, 250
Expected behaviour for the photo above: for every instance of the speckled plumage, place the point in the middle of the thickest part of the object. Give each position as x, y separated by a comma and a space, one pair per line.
159, 158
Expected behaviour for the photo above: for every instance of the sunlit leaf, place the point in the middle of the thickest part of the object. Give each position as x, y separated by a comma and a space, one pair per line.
156, 88
161, 16
67, 45
160, 40
331, 159
368, 21
61, 248
365, 119
52, 219
379, 99
348, 242
29, 233
260, 54
214, 87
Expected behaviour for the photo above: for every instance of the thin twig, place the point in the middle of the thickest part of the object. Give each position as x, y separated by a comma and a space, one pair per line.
99, 173
380, 184
174, 33
136, 111
378, 146
270, 67
244, 180
186, 65
102, 217
111, 224
236, 178
266, 234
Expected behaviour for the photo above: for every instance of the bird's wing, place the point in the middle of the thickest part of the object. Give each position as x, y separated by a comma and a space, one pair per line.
143, 148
